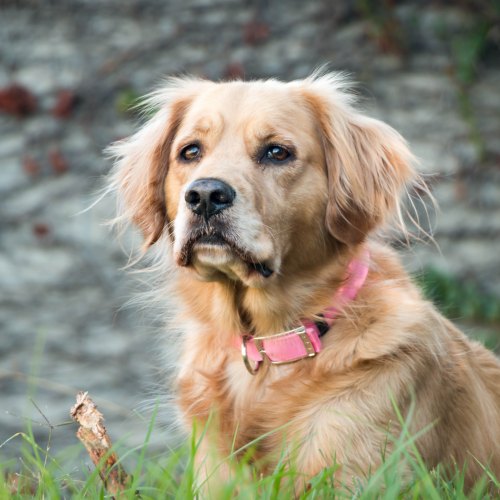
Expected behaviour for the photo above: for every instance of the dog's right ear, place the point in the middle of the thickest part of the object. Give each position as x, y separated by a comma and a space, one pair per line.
368, 164
141, 161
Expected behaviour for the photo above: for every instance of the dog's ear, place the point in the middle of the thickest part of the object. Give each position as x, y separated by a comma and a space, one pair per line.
368, 163
141, 161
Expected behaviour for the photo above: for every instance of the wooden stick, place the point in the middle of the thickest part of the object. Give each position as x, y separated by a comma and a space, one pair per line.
94, 437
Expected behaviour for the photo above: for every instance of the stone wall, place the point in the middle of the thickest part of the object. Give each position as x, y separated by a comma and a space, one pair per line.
62, 323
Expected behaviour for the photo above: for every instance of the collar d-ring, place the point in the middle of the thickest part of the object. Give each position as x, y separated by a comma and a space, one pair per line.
248, 364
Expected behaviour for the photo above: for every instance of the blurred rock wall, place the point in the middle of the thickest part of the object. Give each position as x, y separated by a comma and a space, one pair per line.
69, 69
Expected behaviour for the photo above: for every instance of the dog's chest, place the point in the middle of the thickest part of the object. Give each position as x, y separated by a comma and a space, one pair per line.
246, 406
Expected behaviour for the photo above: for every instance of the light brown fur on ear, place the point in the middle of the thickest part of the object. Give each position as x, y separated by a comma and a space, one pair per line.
368, 163
141, 161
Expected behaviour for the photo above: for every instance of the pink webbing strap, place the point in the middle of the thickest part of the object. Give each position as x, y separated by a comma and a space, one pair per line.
304, 341
357, 272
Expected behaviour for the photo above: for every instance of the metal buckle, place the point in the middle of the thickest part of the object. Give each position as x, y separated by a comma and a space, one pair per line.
299, 331
248, 364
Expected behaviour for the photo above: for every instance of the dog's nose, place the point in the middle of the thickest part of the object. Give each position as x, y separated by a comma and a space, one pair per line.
207, 197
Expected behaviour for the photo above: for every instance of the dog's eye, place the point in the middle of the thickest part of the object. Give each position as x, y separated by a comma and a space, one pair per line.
276, 154
190, 152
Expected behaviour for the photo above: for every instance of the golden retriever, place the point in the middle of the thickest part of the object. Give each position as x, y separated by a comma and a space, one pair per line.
265, 196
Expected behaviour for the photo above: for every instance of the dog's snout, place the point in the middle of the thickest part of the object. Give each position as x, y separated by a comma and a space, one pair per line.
207, 197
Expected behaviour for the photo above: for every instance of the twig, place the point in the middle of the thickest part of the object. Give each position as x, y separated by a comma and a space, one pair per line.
51, 428
94, 437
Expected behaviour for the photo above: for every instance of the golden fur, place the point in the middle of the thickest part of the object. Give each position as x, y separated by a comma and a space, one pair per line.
306, 219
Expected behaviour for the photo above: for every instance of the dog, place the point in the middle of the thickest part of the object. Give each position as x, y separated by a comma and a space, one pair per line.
301, 331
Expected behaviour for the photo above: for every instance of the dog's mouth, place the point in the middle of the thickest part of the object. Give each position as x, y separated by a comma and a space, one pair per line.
210, 239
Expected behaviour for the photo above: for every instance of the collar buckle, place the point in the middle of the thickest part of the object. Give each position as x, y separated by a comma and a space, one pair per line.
259, 343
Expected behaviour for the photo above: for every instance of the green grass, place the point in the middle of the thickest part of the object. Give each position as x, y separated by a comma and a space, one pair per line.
41, 473
463, 301
469, 50
127, 101
173, 475
459, 299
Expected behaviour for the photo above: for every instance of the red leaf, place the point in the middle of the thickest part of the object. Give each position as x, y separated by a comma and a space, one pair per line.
41, 230
17, 100
58, 162
234, 71
30, 166
256, 32
65, 104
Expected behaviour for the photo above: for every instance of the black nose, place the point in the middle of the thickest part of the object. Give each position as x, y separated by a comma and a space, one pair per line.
207, 197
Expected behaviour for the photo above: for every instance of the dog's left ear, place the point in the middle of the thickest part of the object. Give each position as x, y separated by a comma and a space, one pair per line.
141, 161
368, 163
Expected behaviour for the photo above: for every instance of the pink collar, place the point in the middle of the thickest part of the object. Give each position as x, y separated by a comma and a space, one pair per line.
304, 341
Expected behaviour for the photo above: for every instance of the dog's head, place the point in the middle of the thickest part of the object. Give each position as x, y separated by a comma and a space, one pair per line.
251, 180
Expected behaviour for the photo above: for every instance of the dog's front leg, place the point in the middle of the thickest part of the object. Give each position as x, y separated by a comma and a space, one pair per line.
212, 470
